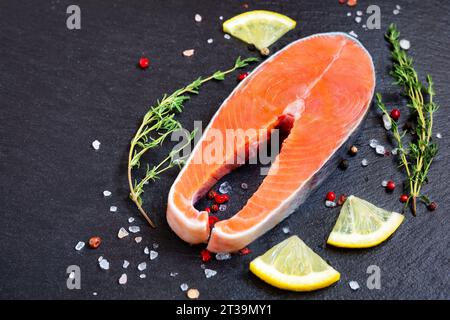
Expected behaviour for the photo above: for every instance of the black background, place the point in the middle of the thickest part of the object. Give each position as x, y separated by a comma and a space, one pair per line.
62, 89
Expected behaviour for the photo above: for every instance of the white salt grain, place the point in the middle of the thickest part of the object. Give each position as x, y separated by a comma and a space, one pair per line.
155, 245
146, 250
184, 287
373, 143
123, 279
198, 18
227, 36
142, 266
384, 183
80, 245
223, 256
113, 209
134, 229
138, 239
94, 293
405, 44
225, 187
286, 230
222, 207
398, 7
387, 122
188, 53
106, 193
358, 19
394, 151
330, 204
130, 220
173, 274
153, 255
221, 18
122, 233
380, 150
349, 14
96, 144
210, 273
353, 34
125, 264
210, 40
396, 12
439, 135
104, 264
142, 276
364, 162
100, 258
359, 13
353, 285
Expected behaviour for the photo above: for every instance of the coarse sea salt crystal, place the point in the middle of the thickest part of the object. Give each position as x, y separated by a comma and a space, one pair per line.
353, 34
100, 258
349, 14
104, 264
80, 245
330, 204
96, 144
138, 239
364, 162
286, 230
398, 7
94, 293
113, 209
373, 143
359, 13
222, 207
221, 18
123, 278
225, 187
106, 193
358, 19
244, 186
122, 233
354, 285
134, 229
142, 276
188, 52
125, 264
153, 255
394, 151
380, 150
142, 266
227, 36
210, 273
405, 44
173, 274
210, 40
155, 245
384, 183
146, 250
387, 122
439, 135
184, 287
198, 18
396, 12
130, 220
223, 256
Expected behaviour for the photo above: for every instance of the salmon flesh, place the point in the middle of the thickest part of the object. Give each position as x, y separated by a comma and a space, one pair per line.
324, 85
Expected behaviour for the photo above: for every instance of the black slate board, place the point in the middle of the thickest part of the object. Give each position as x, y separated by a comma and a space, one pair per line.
62, 89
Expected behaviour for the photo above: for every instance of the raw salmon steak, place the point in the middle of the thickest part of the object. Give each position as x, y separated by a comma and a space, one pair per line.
324, 84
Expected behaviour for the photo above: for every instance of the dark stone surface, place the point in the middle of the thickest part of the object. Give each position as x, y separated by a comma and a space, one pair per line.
62, 89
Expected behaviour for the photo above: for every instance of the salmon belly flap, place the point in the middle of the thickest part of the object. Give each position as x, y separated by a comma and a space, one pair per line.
325, 84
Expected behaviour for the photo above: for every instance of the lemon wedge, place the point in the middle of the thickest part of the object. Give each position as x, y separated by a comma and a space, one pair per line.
292, 265
362, 225
259, 27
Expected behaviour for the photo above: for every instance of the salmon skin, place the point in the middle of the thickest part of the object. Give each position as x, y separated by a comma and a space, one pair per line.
323, 85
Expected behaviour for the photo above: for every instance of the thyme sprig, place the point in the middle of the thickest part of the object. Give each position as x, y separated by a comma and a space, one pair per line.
417, 157
159, 123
